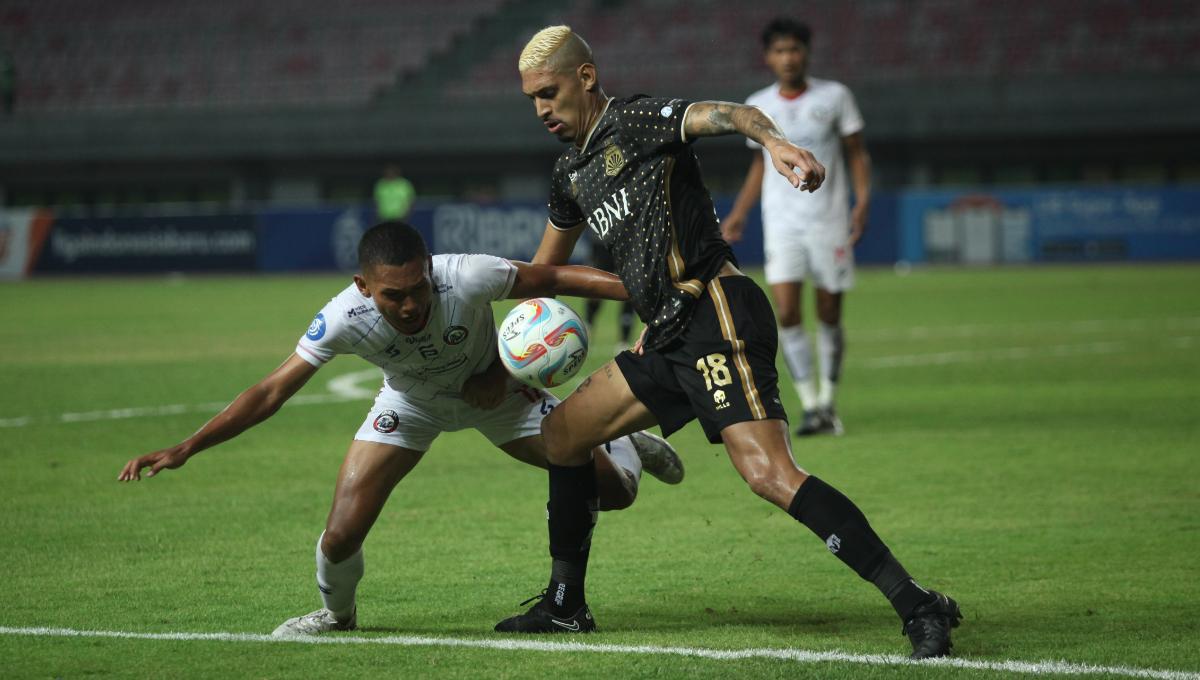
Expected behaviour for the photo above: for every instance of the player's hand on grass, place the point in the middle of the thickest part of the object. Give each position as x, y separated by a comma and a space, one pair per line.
798, 165
732, 227
163, 459
858, 222
486, 390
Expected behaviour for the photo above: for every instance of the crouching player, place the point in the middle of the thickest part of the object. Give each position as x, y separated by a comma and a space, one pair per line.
427, 322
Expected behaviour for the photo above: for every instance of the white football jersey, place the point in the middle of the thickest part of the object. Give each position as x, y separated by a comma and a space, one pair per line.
458, 342
816, 120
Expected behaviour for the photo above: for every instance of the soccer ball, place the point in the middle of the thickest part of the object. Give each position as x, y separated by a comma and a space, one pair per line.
542, 342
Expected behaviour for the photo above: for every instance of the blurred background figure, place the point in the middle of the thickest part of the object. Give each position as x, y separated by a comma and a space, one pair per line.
808, 237
394, 195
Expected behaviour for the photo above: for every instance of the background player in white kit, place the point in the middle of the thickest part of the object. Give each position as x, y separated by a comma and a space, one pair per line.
427, 322
808, 235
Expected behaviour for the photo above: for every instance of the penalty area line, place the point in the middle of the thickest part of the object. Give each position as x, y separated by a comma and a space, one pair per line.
507, 644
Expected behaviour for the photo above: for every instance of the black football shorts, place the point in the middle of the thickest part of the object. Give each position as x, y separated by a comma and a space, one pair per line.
721, 369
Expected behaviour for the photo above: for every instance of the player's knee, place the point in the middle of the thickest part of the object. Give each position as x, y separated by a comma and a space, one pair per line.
789, 317
770, 488
339, 544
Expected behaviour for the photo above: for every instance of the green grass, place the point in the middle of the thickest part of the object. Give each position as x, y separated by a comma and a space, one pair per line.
1024, 439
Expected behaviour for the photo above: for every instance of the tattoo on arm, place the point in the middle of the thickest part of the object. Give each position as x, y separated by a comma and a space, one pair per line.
710, 119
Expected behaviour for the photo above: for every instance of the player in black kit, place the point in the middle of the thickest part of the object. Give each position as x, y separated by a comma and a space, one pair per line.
632, 178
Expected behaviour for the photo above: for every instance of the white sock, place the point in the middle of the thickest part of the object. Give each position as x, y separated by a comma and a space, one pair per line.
831, 346
624, 456
338, 581
828, 392
797, 354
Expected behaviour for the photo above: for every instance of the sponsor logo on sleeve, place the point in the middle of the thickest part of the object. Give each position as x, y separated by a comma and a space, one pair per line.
316, 329
358, 311
387, 422
454, 335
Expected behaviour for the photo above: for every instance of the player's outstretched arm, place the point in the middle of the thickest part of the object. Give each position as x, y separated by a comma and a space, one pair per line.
557, 245
251, 407
735, 222
712, 119
543, 280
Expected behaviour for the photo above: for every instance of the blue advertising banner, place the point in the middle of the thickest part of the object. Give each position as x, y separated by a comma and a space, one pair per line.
510, 230
1043, 225
325, 238
150, 244
311, 239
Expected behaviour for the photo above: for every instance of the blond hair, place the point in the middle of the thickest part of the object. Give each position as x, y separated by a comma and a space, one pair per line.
557, 48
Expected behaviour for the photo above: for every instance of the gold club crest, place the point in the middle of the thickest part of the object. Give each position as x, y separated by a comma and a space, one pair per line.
614, 160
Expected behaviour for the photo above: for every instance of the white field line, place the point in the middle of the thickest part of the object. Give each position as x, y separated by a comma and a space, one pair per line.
1009, 353
348, 387
1082, 326
994, 354
342, 388
510, 645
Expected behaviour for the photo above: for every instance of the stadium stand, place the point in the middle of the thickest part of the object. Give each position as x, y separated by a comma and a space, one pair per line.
77, 55
864, 41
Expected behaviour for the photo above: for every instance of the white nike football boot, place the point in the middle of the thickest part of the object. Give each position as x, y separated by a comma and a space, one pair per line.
658, 457
315, 623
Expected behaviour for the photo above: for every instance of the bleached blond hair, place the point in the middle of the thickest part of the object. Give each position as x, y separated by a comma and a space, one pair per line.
557, 48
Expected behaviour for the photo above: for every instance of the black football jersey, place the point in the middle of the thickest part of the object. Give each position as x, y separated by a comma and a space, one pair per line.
636, 183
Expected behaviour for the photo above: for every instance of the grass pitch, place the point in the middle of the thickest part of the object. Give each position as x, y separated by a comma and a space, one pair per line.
1024, 439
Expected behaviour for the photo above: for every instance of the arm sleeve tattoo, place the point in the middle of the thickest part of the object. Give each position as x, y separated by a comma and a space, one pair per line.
710, 119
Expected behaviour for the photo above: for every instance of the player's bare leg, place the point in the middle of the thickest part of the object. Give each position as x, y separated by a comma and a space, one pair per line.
601, 409
797, 350
831, 348
369, 473
761, 452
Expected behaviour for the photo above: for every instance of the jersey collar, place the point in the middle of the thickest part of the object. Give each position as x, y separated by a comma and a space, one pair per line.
595, 125
779, 90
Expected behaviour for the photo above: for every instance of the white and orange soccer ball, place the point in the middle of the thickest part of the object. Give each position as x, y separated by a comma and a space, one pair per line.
542, 342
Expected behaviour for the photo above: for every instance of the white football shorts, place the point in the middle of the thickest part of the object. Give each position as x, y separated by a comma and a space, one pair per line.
414, 423
822, 257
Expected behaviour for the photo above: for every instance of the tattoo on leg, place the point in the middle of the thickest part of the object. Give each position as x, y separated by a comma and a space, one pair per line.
608, 371
584, 385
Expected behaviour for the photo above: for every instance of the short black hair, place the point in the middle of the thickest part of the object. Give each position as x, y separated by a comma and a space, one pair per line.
392, 242
786, 27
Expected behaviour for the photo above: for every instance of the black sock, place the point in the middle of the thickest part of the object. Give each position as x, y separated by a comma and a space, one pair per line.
571, 516
836, 520
892, 579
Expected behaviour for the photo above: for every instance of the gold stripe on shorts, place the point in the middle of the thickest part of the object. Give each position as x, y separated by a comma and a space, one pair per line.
739, 355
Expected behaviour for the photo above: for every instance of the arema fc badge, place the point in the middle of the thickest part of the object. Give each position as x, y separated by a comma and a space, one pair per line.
454, 335
387, 422
614, 160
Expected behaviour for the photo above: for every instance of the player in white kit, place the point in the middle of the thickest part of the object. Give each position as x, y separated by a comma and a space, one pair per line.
427, 322
808, 236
